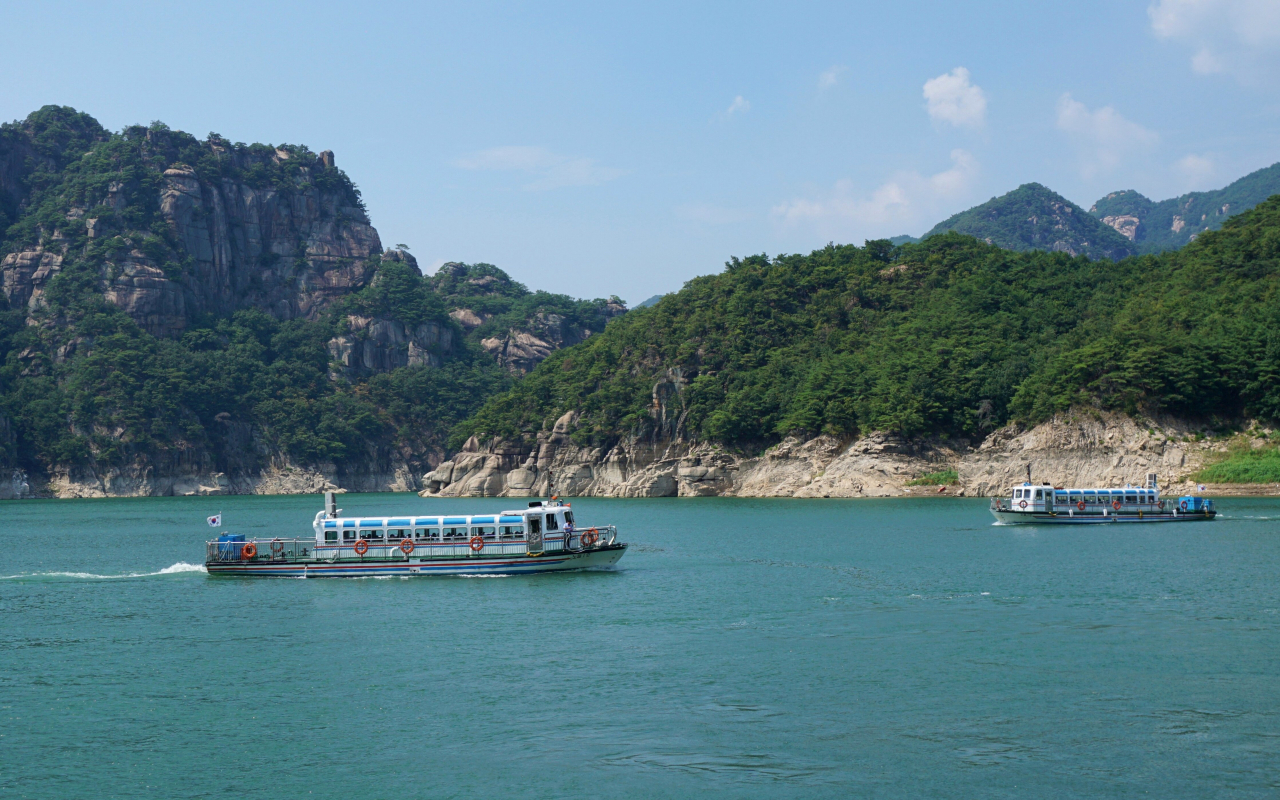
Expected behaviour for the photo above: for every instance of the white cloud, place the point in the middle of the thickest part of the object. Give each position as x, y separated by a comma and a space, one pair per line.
950, 97
710, 214
830, 76
907, 200
1196, 170
549, 170
739, 105
1240, 37
1103, 137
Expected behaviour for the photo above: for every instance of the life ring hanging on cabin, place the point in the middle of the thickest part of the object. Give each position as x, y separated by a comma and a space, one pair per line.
477, 544
362, 547
1080, 505
406, 546
249, 551
277, 546
1022, 504
1115, 504
1183, 505
590, 538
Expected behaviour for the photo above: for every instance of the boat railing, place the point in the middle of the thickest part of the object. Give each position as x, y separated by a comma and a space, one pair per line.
290, 550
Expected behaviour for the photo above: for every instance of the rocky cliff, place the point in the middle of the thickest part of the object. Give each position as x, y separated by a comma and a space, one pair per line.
1076, 449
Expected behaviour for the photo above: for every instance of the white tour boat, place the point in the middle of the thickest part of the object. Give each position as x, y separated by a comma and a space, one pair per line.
1054, 505
540, 538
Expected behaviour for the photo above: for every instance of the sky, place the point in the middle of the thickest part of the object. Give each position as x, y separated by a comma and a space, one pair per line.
622, 149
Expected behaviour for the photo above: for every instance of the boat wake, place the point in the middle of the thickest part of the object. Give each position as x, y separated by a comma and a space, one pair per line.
175, 569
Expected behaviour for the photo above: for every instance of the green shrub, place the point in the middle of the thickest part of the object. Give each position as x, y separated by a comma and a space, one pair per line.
946, 477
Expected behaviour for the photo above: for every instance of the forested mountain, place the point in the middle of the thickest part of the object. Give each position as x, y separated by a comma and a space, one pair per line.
1032, 217
178, 308
948, 336
1169, 224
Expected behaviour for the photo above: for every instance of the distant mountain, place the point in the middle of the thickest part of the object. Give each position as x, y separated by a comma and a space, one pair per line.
1169, 224
1033, 217
903, 239
650, 302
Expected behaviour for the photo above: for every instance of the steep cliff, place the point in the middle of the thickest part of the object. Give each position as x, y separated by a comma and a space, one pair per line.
196, 316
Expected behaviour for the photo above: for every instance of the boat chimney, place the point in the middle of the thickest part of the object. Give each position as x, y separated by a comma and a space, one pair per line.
331, 505
1151, 481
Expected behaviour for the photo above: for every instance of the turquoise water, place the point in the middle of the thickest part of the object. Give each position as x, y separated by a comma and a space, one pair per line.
745, 649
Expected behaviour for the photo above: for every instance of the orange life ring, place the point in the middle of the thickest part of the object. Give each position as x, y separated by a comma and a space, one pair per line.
406, 546
477, 544
362, 547
590, 538
277, 546
248, 551
1115, 504
1080, 505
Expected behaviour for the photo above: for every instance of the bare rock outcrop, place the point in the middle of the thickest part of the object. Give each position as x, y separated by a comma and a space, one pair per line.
380, 345
1078, 449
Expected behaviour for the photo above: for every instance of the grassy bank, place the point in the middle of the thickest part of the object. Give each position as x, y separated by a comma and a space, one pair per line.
1244, 464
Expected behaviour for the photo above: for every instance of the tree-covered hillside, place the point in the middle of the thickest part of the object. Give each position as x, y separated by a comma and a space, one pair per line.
1170, 224
172, 303
949, 336
1033, 217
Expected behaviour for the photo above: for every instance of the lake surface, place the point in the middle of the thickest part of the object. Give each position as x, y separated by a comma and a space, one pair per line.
744, 649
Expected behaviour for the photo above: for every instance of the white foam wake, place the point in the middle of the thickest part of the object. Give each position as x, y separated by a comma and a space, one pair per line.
174, 569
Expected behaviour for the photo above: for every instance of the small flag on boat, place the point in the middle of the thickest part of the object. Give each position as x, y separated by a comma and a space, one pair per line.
215, 521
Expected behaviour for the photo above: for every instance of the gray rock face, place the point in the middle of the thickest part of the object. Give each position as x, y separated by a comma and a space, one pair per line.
522, 349
380, 345
1076, 450
288, 253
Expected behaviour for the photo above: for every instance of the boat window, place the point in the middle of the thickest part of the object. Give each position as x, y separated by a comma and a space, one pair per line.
1131, 498
535, 524
487, 531
331, 536
348, 536
568, 517
433, 533
512, 531
1088, 498
552, 525
370, 534
1039, 494
419, 533
455, 533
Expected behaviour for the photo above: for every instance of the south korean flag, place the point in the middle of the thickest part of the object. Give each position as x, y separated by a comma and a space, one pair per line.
215, 521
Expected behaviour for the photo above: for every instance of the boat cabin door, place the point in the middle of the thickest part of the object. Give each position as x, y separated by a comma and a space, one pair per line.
534, 534
1048, 499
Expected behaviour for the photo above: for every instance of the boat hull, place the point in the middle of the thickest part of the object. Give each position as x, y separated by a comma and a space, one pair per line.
1065, 518
561, 561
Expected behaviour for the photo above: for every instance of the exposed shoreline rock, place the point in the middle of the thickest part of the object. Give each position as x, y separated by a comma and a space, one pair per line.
1072, 449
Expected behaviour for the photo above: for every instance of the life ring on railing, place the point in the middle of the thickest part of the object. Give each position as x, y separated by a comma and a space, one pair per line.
277, 547
1183, 505
1115, 504
477, 544
590, 538
248, 551
1022, 504
406, 546
362, 547
1080, 505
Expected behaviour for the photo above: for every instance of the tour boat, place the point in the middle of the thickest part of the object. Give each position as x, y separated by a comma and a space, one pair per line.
1047, 504
540, 538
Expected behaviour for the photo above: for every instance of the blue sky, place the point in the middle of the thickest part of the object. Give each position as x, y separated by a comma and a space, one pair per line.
600, 149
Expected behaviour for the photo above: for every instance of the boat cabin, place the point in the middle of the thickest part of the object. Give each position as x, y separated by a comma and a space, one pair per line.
537, 521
